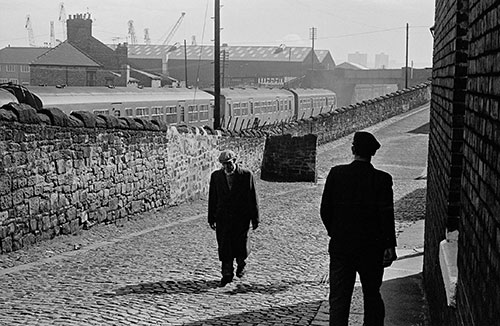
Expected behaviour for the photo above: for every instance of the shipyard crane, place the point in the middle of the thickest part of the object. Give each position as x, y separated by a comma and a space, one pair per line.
52, 35
62, 19
131, 32
29, 28
174, 29
147, 39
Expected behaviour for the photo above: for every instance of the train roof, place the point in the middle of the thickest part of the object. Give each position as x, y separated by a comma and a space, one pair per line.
254, 92
71, 95
312, 91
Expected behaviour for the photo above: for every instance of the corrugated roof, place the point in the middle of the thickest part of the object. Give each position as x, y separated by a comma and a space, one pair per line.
65, 54
206, 52
351, 65
20, 55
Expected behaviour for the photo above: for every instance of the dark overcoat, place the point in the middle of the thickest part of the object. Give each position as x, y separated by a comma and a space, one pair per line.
232, 210
357, 208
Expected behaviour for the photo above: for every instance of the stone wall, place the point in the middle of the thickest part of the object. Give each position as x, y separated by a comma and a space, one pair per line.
289, 159
347, 119
463, 191
58, 179
61, 173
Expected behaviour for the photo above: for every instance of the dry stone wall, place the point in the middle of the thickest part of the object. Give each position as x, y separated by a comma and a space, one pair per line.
60, 173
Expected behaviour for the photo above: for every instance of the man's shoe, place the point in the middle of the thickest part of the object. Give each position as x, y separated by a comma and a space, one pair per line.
240, 271
225, 280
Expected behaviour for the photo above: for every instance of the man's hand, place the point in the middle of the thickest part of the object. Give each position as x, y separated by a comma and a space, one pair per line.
389, 256
212, 226
255, 225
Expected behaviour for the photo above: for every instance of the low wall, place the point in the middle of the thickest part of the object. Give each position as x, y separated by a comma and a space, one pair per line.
60, 173
58, 179
289, 159
345, 120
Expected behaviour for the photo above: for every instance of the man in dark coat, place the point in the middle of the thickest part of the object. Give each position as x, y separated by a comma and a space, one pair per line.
358, 212
232, 206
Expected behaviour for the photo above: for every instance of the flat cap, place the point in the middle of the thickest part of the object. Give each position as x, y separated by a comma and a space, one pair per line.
365, 143
226, 156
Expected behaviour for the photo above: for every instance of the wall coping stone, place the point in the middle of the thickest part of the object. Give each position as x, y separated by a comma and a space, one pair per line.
448, 253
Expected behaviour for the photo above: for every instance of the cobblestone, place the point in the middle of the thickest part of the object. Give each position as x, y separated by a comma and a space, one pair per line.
161, 268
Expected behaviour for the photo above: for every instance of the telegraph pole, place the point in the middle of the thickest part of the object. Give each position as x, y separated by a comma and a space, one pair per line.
185, 64
406, 66
313, 35
217, 66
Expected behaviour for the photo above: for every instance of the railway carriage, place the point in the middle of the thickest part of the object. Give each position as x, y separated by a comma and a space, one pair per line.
241, 108
244, 108
171, 105
313, 101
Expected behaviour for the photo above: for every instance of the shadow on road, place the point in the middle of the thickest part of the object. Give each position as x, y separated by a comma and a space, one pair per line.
297, 314
201, 286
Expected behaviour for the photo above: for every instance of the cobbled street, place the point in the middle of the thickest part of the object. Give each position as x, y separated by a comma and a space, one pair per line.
161, 268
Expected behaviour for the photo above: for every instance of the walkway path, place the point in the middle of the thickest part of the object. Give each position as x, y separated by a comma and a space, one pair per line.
161, 268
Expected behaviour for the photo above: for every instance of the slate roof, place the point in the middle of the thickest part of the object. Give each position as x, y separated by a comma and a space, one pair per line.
65, 54
206, 52
20, 55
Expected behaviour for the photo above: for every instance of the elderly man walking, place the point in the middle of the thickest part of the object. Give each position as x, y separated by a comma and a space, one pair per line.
232, 207
358, 212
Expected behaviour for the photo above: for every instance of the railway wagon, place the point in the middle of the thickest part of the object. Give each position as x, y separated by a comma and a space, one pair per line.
172, 105
313, 101
244, 108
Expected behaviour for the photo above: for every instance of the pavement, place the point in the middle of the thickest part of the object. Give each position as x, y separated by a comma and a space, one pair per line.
161, 267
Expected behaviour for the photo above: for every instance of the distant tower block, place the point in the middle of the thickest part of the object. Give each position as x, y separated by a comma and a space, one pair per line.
131, 32
147, 39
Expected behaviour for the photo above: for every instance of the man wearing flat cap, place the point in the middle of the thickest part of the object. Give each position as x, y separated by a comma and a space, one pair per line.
232, 207
358, 212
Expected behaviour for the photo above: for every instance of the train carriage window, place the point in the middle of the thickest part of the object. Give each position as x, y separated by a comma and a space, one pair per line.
256, 107
244, 108
203, 112
101, 112
252, 108
192, 113
157, 113
141, 112
269, 106
171, 114
236, 109
129, 112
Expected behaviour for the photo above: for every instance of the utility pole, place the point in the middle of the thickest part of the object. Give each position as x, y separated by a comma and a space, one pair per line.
406, 65
217, 66
313, 35
185, 64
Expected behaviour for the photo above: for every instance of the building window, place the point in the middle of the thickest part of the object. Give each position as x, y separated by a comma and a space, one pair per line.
25, 68
11, 68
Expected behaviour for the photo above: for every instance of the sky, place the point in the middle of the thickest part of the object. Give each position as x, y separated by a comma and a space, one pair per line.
342, 26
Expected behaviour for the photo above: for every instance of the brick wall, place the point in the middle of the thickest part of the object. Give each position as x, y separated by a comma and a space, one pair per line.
445, 147
463, 189
289, 159
479, 261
